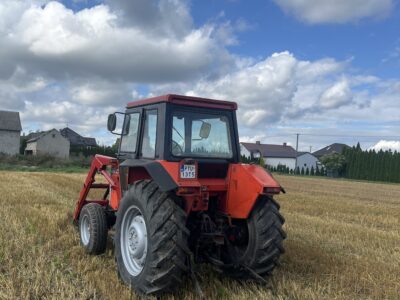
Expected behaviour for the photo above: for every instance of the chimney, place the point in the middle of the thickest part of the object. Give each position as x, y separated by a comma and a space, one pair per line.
284, 144
258, 142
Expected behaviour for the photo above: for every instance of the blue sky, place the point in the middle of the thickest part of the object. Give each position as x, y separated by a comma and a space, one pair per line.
326, 69
366, 42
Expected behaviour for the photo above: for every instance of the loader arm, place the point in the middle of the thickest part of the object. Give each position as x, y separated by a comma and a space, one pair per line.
99, 166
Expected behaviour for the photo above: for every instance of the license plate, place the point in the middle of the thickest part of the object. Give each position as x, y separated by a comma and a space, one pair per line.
188, 171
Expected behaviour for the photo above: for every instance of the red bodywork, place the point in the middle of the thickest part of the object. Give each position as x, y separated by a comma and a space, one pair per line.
237, 193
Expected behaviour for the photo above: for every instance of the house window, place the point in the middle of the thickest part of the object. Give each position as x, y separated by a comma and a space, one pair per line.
53, 135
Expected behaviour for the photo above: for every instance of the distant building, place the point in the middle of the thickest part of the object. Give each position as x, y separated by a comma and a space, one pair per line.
307, 160
273, 155
334, 148
76, 140
47, 142
10, 132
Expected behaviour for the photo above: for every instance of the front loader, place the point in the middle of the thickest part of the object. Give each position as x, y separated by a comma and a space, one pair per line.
177, 194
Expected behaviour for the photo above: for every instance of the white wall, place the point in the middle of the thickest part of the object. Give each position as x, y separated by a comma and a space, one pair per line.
9, 142
307, 160
275, 161
52, 143
244, 151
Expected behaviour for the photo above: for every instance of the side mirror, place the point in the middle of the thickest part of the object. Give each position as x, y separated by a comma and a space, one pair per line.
205, 130
111, 122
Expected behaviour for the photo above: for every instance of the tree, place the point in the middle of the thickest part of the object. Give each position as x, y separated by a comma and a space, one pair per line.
334, 162
262, 162
302, 171
312, 171
322, 171
307, 171
297, 171
317, 172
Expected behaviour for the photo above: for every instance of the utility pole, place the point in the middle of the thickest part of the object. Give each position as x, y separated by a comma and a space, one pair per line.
310, 148
297, 149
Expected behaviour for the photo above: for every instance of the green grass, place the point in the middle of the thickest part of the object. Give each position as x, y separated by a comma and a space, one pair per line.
59, 169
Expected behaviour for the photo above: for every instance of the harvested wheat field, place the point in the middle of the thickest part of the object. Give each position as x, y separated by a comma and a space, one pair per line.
343, 243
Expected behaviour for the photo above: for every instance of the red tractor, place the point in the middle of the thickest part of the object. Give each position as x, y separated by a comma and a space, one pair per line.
177, 194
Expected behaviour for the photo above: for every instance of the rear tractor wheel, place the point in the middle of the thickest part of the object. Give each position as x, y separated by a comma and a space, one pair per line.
93, 228
260, 244
151, 240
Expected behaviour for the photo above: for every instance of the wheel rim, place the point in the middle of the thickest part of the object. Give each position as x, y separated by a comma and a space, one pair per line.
85, 230
133, 240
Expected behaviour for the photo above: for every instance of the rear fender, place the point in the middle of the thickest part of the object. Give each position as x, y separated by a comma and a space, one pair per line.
245, 184
139, 169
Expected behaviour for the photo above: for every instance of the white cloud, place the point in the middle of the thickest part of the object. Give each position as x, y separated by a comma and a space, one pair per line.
60, 43
386, 145
337, 95
337, 11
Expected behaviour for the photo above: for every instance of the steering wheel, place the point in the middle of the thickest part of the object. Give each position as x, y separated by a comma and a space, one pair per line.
176, 148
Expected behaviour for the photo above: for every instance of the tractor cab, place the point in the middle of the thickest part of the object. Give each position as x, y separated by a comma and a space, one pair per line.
174, 127
177, 194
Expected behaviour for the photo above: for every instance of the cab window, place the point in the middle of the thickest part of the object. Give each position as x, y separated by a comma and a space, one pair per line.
149, 134
129, 141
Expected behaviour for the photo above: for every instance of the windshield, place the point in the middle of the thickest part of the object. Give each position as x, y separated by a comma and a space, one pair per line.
201, 134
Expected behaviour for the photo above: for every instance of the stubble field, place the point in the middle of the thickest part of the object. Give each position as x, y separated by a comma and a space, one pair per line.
343, 243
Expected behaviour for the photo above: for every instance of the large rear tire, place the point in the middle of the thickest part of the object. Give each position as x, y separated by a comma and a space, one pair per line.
93, 228
262, 244
151, 240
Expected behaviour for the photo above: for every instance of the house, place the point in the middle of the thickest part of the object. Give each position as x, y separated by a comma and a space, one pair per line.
307, 160
334, 148
10, 132
273, 155
48, 142
76, 140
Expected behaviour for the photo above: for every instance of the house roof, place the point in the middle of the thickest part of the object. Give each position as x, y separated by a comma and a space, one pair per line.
76, 139
34, 136
9, 120
301, 153
333, 148
271, 150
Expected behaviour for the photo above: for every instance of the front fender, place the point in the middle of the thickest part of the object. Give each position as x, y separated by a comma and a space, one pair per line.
245, 184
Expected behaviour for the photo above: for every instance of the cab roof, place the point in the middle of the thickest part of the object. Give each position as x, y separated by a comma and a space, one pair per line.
186, 101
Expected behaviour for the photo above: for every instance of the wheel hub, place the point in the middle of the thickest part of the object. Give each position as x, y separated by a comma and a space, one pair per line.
137, 237
85, 230
133, 240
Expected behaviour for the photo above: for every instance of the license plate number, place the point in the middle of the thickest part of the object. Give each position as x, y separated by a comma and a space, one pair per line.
188, 171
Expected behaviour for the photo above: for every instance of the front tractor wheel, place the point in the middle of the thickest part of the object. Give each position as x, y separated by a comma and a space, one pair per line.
151, 240
93, 228
260, 244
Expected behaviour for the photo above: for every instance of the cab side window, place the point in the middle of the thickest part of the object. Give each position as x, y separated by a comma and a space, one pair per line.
149, 134
129, 141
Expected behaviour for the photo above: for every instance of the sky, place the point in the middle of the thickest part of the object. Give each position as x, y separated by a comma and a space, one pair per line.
328, 70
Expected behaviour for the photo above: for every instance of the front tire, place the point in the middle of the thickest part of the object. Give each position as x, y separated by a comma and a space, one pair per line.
151, 240
93, 228
262, 246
